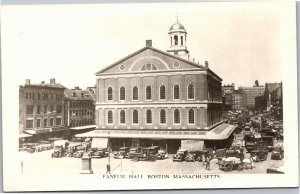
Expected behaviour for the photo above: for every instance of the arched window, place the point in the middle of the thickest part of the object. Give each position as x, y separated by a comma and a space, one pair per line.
176, 92
148, 93
176, 39
181, 38
148, 67
122, 93
191, 116
135, 93
176, 116
122, 116
109, 94
149, 116
162, 92
171, 41
135, 117
191, 91
109, 117
163, 116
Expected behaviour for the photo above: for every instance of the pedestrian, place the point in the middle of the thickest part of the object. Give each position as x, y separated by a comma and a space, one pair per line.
108, 168
207, 164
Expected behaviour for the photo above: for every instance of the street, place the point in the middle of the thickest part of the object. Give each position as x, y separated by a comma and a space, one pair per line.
42, 163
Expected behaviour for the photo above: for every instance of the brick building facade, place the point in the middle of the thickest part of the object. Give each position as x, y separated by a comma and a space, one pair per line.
41, 109
154, 95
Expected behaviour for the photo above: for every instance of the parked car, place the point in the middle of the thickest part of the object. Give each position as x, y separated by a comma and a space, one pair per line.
277, 153
73, 147
162, 154
147, 154
100, 153
78, 154
193, 156
122, 153
58, 152
180, 155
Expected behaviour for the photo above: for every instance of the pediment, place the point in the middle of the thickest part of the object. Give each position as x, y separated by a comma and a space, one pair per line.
149, 59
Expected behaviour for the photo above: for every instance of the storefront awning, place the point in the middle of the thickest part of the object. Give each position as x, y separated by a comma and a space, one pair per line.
23, 135
84, 127
220, 132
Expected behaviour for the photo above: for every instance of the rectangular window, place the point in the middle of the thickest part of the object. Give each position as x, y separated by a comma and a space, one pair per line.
38, 123
58, 108
29, 109
58, 121
38, 109
51, 108
45, 122
51, 122
29, 124
45, 108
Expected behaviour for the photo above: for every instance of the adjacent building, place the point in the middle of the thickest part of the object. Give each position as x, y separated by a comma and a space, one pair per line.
41, 110
249, 94
152, 97
228, 89
236, 101
79, 111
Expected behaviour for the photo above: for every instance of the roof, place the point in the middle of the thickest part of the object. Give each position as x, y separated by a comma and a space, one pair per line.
151, 48
220, 132
177, 26
84, 127
78, 94
55, 86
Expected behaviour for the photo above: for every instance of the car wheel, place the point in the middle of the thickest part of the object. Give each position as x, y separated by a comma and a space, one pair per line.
135, 159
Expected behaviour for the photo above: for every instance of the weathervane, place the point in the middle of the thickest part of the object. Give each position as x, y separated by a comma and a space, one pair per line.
177, 16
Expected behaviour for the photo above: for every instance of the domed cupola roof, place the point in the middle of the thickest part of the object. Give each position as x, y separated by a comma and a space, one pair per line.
177, 26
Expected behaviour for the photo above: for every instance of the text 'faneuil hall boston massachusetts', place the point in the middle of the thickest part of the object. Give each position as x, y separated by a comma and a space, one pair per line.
153, 97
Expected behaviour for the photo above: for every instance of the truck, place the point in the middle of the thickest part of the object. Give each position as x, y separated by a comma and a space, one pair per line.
260, 151
146, 154
59, 148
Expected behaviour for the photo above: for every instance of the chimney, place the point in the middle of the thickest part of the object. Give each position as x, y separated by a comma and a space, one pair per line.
206, 64
188, 57
76, 88
149, 43
52, 81
43, 82
193, 59
27, 81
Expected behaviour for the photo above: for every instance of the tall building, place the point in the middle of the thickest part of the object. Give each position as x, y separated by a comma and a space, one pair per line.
249, 94
79, 110
273, 93
41, 110
152, 97
237, 97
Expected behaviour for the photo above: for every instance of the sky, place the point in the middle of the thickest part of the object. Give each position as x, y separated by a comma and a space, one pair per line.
241, 41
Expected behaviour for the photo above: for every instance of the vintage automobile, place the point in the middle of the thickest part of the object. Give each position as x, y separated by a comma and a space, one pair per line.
73, 147
78, 154
100, 153
277, 153
58, 152
193, 156
260, 151
180, 155
29, 147
133, 151
146, 154
122, 153
162, 154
